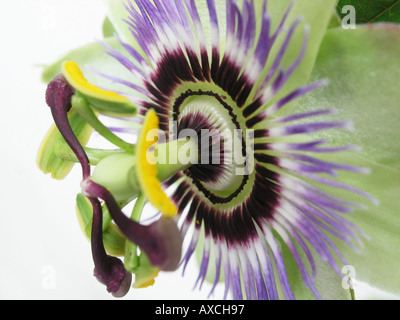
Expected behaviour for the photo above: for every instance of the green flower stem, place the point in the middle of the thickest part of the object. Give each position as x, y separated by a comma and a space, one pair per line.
82, 107
64, 152
131, 260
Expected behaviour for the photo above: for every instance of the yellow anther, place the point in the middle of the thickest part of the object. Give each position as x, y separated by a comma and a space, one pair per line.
146, 170
78, 81
147, 284
143, 281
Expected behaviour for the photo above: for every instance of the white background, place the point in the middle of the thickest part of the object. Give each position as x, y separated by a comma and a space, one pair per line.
39, 233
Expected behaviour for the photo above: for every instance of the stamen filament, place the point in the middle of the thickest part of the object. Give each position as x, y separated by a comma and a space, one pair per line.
82, 107
131, 260
64, 152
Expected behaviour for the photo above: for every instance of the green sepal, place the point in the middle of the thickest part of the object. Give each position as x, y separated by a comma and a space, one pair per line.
93, 55
316, 14
116, 13
108, 28
47, 159
335, 21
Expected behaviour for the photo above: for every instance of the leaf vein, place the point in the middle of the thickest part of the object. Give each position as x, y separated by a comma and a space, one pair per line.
384, 11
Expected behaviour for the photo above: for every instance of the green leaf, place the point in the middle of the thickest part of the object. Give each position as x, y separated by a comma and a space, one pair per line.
378, 263
372, 11
363, 66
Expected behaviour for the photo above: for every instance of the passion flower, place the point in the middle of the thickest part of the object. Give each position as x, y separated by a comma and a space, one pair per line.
183, 82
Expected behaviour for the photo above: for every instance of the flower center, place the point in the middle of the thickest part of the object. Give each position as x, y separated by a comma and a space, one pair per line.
208, 117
